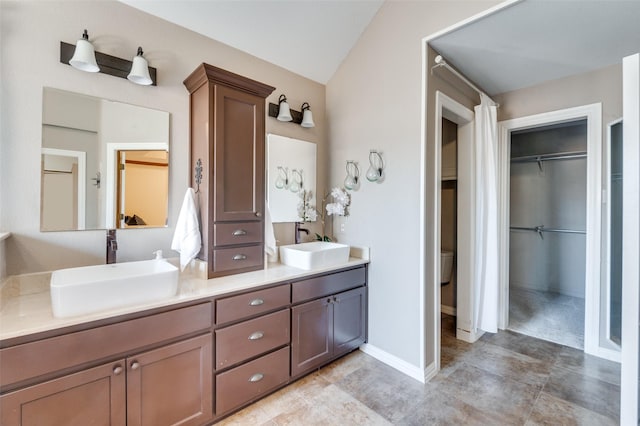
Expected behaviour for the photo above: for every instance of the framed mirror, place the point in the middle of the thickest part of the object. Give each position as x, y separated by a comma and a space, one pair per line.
291, 169
105, 164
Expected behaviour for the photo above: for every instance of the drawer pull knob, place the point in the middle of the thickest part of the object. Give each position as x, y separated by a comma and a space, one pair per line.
256, 377
256, 302
239, 232
239, 257
117, 369
258, 214
135, 365
256, 335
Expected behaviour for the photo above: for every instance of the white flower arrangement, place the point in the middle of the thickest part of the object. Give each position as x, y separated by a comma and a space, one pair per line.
306, 211
341, 202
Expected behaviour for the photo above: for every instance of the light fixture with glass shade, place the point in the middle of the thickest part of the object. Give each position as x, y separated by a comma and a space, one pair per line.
284, 114
376, 167
296, 180
307, 116
140, 70
282, 181
84, 56
352, 181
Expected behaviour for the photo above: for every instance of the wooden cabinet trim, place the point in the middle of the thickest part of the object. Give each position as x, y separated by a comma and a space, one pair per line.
328, 284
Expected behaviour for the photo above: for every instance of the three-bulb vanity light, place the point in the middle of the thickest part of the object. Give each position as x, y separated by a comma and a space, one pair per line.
83, 57
375, 173
283, 112
291, 182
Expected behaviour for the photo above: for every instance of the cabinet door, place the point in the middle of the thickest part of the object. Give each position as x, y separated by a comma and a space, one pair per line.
171, 385
91, 397
349, 320
312, 335
239, 156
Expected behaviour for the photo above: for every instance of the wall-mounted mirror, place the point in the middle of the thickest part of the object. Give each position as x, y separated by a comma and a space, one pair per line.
105, 164
291, 169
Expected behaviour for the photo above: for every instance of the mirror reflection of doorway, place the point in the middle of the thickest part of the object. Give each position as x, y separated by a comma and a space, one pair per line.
62, 201
142, 188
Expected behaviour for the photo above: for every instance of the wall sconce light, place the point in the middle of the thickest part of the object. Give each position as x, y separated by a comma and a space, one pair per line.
140, 70
352, 181
293, 184
296, 180
376, 167
282, 112
282, 181
307, 116
83, 56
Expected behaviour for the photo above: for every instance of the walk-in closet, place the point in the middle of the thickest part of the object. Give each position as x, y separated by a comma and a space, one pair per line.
547, 244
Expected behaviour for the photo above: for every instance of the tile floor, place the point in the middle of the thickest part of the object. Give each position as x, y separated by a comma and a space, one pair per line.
547, 315
503, 379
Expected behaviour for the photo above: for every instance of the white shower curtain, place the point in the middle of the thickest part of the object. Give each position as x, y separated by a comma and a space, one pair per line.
486, 224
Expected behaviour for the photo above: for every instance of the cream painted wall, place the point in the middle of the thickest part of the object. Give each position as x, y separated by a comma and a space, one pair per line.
30, 33
374, 102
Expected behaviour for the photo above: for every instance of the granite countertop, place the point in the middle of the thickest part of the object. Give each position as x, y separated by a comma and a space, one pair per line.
25, 303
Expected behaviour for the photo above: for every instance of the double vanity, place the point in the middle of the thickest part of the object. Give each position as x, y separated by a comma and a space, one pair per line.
193, 358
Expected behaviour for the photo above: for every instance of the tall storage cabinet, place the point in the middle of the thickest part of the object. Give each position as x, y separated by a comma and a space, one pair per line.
227, 164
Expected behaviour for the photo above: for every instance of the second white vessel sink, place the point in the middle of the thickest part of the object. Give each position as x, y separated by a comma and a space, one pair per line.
316, 254
88, 289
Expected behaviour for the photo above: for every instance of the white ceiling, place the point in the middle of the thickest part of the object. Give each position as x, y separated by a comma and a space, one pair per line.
307, 37
538, 40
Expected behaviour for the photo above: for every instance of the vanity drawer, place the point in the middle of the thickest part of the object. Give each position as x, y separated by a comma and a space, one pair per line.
250, 338
250, 304
226, 234
30, 360
251, 380
327, 284
228, 259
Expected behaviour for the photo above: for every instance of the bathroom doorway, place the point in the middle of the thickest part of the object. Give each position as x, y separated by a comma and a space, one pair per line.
448, 217
547, 242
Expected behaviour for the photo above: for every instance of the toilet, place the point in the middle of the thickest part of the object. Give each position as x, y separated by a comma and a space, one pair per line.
446, 266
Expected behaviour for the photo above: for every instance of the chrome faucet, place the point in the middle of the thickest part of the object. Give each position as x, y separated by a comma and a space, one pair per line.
298, 230
112, 246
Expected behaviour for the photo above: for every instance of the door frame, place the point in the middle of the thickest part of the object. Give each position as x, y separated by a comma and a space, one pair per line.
593, 114
454, 111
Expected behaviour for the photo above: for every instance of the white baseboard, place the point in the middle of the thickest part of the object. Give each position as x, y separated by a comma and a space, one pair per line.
395, 362
468, 336
430, 372
449, 310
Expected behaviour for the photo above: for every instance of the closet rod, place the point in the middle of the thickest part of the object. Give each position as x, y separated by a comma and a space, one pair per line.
540, 229
550, 157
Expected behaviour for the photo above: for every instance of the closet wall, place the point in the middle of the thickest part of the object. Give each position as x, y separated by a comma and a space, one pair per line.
550, 194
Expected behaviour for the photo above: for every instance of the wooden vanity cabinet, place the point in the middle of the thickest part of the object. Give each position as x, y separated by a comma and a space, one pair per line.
227, 113
331, 325
252, 346
153, 375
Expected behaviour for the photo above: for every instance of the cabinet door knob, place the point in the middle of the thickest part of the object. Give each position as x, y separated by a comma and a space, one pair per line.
328, 300
117, 369
239, 232
258, 214
256, 377
135, 365
239, 257
335, 299
256, 302
256, 335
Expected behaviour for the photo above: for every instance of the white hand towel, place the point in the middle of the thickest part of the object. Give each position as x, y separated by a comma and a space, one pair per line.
186, 239
269, 238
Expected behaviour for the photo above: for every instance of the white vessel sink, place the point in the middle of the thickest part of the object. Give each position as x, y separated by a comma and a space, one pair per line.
88, 289
316, 254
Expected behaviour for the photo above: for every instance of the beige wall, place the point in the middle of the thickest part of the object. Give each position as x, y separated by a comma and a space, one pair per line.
374, 102
30, 35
